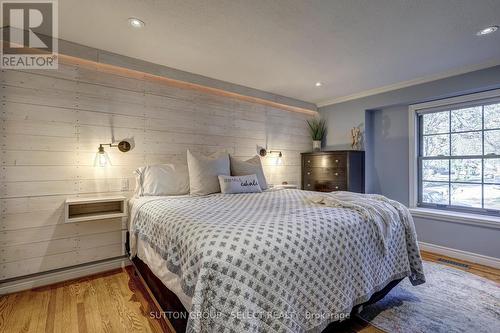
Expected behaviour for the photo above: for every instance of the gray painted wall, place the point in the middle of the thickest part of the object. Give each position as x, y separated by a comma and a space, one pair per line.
388, 146
384, 118
342, 117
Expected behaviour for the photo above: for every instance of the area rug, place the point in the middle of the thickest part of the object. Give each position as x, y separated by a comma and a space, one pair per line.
450, 301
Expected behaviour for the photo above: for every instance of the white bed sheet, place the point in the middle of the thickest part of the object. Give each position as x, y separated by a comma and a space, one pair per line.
158, 266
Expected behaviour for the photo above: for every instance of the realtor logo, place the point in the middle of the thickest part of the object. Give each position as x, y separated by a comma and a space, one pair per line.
29, 35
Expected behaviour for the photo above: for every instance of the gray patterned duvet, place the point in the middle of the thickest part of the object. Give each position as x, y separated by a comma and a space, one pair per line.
273, 261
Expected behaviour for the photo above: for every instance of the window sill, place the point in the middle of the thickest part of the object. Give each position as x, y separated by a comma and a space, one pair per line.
457, 217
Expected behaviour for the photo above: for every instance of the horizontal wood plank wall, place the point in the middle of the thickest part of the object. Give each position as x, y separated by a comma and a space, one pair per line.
52, 124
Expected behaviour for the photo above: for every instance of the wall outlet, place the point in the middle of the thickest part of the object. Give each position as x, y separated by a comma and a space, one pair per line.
124, 184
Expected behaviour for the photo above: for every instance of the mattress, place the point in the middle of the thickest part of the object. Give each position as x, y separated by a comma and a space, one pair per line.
271, 261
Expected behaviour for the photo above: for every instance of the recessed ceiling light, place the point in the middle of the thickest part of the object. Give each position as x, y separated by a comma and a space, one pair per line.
318, 84
136, 23
487, 30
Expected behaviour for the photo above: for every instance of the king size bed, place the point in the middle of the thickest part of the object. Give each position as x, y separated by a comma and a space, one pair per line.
277, 261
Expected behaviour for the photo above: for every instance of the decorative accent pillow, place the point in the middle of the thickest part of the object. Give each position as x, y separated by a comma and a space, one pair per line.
252, 166
162, 179
239, 184
203, 172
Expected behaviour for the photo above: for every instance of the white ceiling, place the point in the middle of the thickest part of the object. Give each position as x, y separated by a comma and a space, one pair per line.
285, 46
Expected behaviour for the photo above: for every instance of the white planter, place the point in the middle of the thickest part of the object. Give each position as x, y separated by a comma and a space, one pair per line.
316, 145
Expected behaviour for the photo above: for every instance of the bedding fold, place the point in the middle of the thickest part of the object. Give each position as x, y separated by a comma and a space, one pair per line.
378, 209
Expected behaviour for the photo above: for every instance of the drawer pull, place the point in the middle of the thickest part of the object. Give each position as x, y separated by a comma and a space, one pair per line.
336, 187
308, 185
336, 161
308, 173
308, 161
336, 173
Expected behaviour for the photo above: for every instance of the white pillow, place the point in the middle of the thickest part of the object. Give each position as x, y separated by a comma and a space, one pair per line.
252, 166
162, 179
239, 184
203, 172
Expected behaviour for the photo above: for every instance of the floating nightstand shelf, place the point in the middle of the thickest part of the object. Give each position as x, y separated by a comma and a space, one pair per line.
91, 209
285, 186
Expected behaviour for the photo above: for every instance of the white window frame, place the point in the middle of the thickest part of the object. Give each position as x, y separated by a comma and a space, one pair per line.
448, 216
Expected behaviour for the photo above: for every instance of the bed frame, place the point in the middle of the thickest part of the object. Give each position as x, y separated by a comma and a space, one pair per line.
170, 303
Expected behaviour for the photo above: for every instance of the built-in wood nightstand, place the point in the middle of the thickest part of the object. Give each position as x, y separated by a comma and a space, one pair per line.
91, 209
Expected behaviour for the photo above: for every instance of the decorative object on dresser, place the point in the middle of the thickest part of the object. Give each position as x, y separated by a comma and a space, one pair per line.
356, 138
317, 129
338, 170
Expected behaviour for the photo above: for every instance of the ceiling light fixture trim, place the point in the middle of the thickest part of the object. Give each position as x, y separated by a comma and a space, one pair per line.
488, 30
136, 23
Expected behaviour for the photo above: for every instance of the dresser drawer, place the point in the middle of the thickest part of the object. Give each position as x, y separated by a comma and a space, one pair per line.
335, 174
324, 185
323, 161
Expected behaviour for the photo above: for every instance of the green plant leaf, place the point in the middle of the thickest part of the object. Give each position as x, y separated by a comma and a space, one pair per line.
317, 128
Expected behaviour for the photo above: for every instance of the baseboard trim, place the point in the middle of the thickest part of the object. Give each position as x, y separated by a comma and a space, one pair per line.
462, 255
61, 275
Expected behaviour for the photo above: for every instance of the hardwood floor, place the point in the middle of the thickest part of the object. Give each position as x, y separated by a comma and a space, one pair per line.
481, 270
116, 301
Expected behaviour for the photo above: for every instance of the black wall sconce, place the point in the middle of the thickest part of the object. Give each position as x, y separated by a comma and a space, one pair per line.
102, 158
263, 152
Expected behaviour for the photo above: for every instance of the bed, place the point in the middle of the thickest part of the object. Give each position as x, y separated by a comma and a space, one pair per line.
274, 261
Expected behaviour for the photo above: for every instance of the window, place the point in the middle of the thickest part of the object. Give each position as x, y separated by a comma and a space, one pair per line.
458, 157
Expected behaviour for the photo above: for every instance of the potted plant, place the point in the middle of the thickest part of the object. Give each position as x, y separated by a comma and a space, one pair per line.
317, 129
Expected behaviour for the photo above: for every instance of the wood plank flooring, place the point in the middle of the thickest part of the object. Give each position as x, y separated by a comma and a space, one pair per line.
114, 301
117, 301
481, 270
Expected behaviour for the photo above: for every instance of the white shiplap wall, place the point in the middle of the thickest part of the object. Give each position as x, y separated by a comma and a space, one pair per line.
52, 124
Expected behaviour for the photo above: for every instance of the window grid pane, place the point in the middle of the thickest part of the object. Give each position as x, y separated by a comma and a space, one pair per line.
492, 116
457, 161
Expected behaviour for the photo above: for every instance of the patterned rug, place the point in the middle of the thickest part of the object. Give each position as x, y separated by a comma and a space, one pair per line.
450, 301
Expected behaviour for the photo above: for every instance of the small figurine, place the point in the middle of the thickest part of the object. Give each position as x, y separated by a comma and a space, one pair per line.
356, 138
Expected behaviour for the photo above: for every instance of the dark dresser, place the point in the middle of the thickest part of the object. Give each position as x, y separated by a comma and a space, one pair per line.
337, 170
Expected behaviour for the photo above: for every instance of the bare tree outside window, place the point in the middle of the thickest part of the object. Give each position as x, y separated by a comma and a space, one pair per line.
459, 158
